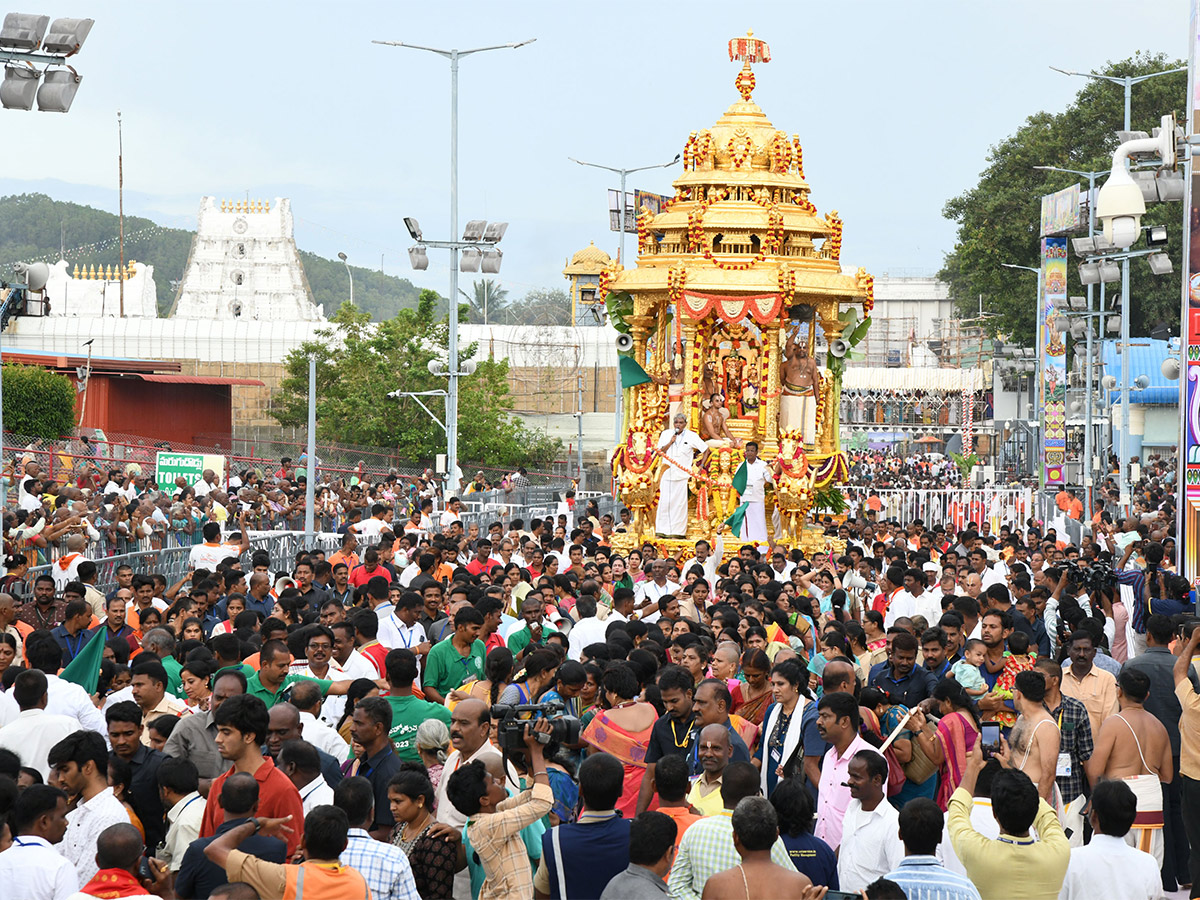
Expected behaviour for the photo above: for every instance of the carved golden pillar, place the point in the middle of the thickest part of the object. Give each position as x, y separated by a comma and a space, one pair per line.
832, 328
691, 374
769, 421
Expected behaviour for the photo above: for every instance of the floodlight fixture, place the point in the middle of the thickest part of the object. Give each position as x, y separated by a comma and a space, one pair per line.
1109, 271
1108, 382
1078, 302
1079, 329
1160, 263
418, 257
469, 260
1124, 137
414, 228
1141, 382
491, 261
19, 88
495, 232
1089, 273
474, 230
23, 32
1075, 407
1083, 246
1144, 179
467, 368
66, 36
1169, 185
1114, 325
1156, 236
1170, 368
58, 90
33, 275
437, 366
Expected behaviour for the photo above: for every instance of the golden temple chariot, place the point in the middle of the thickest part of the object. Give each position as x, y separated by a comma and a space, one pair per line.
738, 289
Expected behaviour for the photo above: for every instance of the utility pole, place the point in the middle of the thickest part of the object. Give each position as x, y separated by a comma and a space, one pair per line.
310, 483
121, 207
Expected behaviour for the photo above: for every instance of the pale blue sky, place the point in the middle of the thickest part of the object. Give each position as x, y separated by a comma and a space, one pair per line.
895, 104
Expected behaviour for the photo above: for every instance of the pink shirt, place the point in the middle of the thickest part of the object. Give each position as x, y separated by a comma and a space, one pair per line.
832, 797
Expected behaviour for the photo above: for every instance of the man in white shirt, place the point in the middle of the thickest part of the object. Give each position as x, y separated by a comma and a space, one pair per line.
32, 869
755, 495
206, 484
34, 731
871, 844
64, 697
81, 762
370, 529
588, 630
1108, 867
678, 447
650, 593
298, 760
178, 782
65, 569
306, 697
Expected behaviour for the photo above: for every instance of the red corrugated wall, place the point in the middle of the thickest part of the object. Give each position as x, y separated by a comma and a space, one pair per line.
165, 412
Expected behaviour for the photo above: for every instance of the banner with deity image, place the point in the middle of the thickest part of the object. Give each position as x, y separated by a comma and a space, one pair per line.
1052, 385
1188, 524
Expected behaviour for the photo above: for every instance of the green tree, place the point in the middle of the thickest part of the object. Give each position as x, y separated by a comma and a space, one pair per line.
359, 363
38, 403
999, 218
488, 301
541, 306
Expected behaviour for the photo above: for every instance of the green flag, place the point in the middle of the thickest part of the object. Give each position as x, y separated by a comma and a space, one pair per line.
84, 669
739, 478
739, 516
631, 373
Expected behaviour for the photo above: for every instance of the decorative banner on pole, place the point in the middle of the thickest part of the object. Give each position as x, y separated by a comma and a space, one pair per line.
1188, 523
1060, 211
1053, 362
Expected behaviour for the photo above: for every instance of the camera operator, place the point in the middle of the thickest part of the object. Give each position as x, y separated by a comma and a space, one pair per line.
1139, 587
496, 820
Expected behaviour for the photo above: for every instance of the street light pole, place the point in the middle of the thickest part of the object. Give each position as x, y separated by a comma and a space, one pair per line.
454, 55
624, 173
310, 482
346, 262
1127, 82
1039, 350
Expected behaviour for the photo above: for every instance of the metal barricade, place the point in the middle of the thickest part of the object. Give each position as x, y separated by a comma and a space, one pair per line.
951, 507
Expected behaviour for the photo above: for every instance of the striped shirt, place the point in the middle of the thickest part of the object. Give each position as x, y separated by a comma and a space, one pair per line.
384, 866
924, 878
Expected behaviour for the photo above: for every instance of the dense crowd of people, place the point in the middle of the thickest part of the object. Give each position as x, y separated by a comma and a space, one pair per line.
124, 509
521, 711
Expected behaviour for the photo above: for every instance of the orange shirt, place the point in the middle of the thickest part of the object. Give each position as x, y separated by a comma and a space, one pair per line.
351, 560
682, 817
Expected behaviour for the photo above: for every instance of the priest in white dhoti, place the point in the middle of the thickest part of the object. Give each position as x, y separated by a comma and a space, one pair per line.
678, 446
754, 495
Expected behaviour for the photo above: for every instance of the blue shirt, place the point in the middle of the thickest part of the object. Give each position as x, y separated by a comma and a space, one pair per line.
812, 857
741, 752
924, 878
71, 645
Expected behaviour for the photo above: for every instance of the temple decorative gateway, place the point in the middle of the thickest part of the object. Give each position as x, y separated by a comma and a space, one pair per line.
737, 293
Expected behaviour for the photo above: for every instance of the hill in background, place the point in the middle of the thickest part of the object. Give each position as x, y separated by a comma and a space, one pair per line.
36, 227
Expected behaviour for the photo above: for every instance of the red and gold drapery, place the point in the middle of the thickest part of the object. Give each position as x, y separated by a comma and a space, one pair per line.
763, 308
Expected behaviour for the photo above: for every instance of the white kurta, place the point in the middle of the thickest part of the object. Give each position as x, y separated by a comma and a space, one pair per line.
671, 516
755, 525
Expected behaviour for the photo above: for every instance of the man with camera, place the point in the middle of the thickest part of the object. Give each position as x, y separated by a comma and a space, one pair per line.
496, 820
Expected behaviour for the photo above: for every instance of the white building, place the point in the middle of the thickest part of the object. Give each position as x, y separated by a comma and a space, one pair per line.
88, 291
244, 265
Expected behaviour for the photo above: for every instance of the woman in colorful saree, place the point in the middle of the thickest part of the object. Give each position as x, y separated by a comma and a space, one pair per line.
951, 740
622, 729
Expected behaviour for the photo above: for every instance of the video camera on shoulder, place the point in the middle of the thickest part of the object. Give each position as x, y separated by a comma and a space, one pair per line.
510, 731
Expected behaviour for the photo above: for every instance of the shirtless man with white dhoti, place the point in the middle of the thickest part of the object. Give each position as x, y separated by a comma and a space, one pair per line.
798, 399
1133, 745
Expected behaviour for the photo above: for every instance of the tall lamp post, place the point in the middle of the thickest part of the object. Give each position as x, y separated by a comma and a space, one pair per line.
454, 55
1038, 372
624, 173
1127, 82
342, 257
1087, 415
